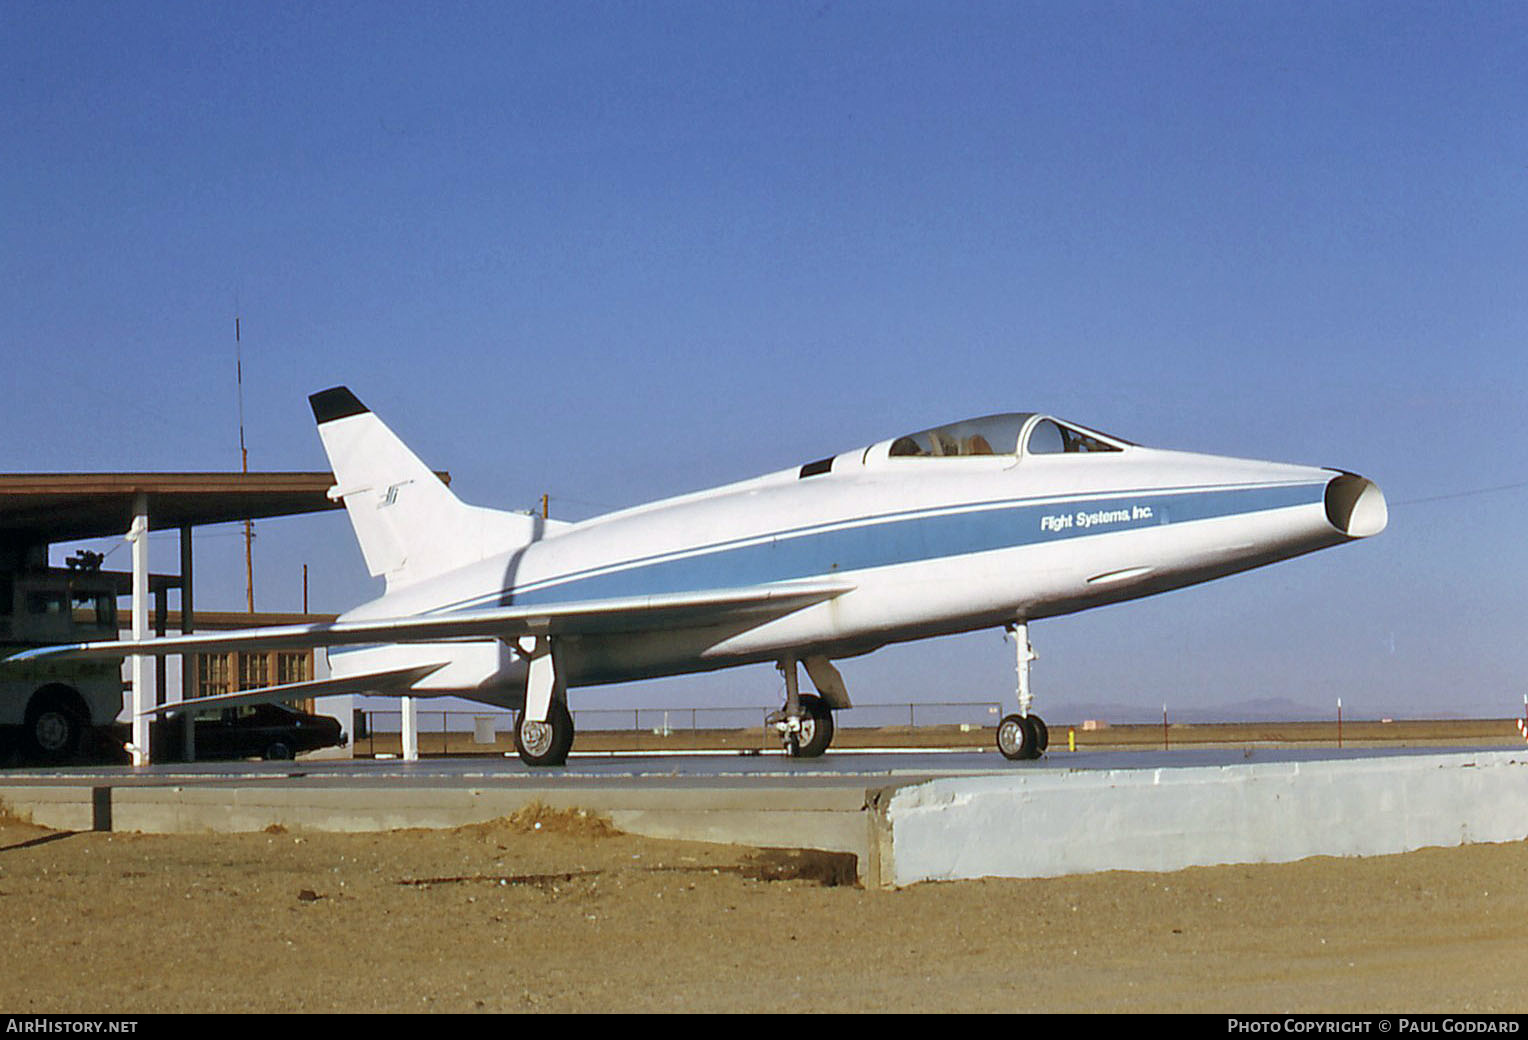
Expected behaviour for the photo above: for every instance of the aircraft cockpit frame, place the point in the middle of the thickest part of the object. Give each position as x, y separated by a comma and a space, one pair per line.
1008, 436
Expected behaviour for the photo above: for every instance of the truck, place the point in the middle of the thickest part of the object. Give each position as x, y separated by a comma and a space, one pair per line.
55, 713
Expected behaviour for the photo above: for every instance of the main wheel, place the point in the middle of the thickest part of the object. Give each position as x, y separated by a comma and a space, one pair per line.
53, 728
816, 731
545, 743
1017, 738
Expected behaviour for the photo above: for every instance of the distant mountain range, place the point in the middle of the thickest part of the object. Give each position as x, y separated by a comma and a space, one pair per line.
1262, 709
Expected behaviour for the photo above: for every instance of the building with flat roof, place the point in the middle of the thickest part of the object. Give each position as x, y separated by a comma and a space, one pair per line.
58, 713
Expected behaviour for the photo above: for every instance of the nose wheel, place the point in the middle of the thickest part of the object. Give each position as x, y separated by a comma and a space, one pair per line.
1021, 737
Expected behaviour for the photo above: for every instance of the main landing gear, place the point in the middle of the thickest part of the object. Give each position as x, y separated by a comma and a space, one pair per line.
545, 743
805, 723
1022, 736
544, 728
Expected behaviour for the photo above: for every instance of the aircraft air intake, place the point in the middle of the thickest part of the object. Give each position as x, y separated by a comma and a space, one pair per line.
1356, 506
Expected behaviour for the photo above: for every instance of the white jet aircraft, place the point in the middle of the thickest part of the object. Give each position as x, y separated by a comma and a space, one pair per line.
996, 521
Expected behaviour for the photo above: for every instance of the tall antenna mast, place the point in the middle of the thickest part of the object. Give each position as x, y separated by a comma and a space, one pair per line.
249, 534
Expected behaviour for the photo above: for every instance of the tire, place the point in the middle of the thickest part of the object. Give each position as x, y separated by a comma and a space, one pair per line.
1042, 733
54, 727
278, 752
1017, 739
816, 728
545, 743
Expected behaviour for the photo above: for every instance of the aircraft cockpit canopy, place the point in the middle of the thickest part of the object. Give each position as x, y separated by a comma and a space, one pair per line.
1002, 435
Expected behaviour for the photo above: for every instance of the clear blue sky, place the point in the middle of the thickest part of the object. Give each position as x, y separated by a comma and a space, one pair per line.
616, 251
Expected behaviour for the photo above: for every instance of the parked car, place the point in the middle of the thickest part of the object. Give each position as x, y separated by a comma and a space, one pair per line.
270, 731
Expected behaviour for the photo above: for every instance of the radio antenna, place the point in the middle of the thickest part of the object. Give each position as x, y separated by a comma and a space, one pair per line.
249, 534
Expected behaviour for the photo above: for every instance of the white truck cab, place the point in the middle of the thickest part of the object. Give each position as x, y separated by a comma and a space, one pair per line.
55, 712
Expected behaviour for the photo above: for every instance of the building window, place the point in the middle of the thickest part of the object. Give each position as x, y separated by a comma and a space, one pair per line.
212, 671
215, 672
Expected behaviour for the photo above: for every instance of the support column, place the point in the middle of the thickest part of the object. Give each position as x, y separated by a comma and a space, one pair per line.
410, 729
188, 662
138, 664
161, 625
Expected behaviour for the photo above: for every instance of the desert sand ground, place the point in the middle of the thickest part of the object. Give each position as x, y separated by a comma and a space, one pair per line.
555, 912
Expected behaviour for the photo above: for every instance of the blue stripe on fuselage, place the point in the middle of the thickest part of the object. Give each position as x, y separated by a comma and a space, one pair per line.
836, 549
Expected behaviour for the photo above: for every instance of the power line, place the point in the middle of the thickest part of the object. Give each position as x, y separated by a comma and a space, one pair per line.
1463, 494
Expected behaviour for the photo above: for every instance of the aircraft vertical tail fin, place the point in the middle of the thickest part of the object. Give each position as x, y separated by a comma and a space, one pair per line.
409, 524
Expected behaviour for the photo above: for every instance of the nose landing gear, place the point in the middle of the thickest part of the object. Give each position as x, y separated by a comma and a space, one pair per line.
1022, 736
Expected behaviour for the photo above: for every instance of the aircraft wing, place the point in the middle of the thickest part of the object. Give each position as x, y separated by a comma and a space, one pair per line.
626, 614
392, 682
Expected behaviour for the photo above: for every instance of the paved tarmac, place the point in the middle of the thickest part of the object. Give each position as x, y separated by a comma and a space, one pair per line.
859, 766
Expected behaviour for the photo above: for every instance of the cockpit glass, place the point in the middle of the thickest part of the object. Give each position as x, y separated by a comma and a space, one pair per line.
1050, 437
990, 435
1046, 439
999, 435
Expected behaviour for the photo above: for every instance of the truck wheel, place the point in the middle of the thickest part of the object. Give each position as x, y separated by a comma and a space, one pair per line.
53, 727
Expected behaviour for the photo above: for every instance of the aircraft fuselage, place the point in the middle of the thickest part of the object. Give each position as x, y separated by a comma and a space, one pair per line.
931, 545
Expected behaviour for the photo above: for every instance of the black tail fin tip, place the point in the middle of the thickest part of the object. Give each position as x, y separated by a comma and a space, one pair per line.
335, 403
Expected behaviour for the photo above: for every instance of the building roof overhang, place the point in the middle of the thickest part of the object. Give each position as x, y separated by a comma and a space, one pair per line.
62, 507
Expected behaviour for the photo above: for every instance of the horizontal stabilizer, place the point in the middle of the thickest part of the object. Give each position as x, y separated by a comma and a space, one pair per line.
394, 683
585, 617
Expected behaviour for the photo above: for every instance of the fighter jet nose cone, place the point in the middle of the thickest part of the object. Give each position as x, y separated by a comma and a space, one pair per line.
1356, 506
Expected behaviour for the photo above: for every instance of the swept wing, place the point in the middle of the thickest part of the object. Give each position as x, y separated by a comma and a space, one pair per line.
626, 614
395, 682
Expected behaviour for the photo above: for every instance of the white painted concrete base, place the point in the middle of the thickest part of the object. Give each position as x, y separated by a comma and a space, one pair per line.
1047, 823
1042, 822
